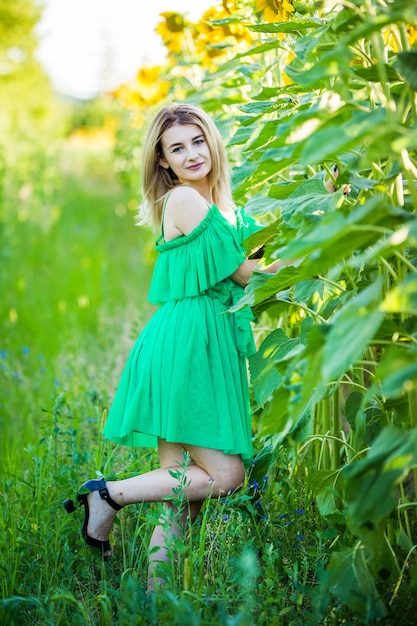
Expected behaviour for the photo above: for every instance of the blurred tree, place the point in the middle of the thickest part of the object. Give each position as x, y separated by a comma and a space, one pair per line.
31, 116
25, 90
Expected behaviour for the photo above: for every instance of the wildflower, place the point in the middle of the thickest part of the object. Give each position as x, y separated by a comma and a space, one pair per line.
226, 518
300, 537
255, 485
25, 350
3, 354
300, 511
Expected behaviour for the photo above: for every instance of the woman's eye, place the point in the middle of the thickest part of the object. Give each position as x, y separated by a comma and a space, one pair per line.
198, 141
177, 149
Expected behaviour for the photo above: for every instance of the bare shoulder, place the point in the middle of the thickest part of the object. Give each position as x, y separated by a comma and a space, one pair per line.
185, 195
185, 209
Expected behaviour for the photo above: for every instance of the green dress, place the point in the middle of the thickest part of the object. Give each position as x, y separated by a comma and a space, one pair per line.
186, 377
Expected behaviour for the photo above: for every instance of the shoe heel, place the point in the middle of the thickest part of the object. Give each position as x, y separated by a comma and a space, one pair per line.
69, 505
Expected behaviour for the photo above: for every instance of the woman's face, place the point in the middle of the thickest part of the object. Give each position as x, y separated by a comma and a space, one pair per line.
186, 152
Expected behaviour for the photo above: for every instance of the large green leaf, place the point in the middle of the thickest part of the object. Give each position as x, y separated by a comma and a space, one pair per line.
370, 484
259, 205
286, 27
352, 329
312, 388
283, 190
266, 134
241, 136
252, 178
329, 505
332, 139
260, 464
397, 372
307, 290
348, 578
373, 73
274, 420
261, 286
261, 237
258, 107
407, 65
307, 200
335, 237
332, 64
403, 298
275, 349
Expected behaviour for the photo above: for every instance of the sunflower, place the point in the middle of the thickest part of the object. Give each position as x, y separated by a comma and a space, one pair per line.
147, 89
274, 10
213, 41
392, 38
171, 29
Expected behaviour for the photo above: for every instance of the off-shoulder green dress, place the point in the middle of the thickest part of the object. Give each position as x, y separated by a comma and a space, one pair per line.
186, 377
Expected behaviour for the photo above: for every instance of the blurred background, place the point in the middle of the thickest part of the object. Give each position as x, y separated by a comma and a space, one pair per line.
78, 80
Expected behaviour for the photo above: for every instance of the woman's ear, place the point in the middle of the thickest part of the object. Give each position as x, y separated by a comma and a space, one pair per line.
163, 163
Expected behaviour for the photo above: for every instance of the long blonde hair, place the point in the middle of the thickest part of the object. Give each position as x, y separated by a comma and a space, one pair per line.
157, 181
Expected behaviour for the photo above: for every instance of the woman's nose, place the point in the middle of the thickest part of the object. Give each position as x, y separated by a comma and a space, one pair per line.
192, 153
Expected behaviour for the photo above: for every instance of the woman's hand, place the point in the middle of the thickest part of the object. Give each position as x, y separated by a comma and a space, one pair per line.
330, 186
244, 271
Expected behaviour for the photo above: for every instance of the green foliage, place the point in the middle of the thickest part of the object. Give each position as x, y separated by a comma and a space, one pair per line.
324, 530
25, 94
335, 86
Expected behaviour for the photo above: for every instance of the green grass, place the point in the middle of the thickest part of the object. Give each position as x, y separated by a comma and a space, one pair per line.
75, 274
75, 271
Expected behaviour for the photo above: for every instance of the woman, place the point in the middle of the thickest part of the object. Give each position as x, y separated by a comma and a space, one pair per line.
185, 384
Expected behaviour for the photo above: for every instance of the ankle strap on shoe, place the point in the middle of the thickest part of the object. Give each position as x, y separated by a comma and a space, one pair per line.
104, 495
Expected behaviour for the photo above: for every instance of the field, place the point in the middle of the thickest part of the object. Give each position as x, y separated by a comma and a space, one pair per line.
77, 276
324, 530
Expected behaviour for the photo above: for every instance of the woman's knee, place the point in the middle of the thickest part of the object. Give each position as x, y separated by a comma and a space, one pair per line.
226, 471
229, 478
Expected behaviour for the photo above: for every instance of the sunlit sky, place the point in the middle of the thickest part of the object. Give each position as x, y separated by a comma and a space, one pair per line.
87, 46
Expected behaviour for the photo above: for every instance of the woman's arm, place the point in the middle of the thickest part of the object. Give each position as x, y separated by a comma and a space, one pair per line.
243, 273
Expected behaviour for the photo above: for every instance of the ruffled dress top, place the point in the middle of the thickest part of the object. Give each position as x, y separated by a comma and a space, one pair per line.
186, 380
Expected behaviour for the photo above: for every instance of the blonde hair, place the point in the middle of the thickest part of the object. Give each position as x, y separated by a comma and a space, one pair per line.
157, 181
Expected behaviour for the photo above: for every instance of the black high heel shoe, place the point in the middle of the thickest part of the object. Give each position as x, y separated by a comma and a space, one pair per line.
89, 486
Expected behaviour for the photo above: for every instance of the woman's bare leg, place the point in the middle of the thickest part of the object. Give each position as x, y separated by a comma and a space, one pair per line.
171, 455
211, 474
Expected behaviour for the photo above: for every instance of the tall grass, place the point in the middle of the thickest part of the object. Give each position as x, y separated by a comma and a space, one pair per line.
76, 272
74, 299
